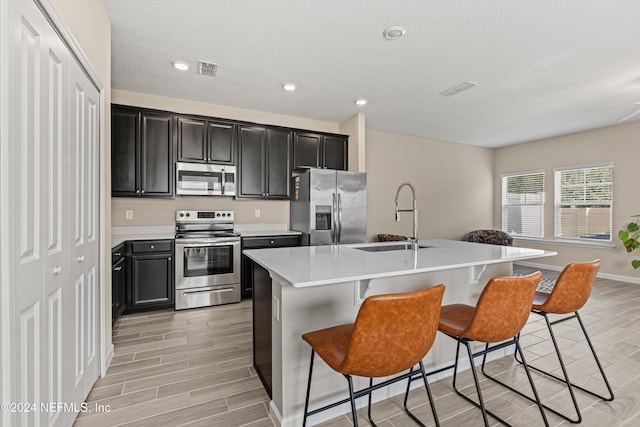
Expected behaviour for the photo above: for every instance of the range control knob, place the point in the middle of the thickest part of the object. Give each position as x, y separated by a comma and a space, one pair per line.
188, 214
181, 214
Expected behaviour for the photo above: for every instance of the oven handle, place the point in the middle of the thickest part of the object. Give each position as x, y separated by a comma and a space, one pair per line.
200, 291
217, 242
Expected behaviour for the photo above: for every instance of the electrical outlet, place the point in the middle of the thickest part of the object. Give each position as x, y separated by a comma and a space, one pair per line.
257, 213
128, 215
276, 308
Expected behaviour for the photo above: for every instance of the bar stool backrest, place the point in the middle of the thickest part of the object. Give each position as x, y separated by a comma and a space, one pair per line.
572, 289
393, 332
503, 308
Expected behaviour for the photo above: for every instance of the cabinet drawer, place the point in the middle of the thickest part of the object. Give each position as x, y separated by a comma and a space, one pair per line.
267, 242
151, 246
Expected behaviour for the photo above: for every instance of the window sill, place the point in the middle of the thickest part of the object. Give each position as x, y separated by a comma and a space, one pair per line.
579, 243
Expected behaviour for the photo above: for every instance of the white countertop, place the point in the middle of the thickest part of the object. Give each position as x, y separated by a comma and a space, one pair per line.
263, 230
320, 265
122, 234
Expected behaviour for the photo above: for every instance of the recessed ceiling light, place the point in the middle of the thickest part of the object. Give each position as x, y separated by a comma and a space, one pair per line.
180, 65
360, 102
394, 32
289, 87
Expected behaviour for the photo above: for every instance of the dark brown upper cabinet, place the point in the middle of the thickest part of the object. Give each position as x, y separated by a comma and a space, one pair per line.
318, 150
264, 162
142, 152
206, 141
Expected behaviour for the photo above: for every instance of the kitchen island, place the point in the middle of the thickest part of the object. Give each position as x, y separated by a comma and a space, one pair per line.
315, 287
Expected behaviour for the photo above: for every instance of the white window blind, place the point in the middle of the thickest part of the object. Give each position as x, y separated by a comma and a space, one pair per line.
583, 203
523, 204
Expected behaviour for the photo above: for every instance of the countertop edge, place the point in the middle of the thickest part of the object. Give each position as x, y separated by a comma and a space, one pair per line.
392, 273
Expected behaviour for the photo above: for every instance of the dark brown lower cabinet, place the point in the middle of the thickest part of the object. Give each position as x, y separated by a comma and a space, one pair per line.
118, 282
262, 325
151, 281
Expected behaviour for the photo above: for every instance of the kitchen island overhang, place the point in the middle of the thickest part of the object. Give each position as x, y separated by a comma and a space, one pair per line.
321, 286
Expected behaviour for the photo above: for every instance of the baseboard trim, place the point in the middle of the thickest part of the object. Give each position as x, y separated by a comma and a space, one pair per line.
107, 358
608, 276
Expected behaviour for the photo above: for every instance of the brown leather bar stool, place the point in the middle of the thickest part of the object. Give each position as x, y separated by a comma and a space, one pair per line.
392, 333
569, 294
500, 314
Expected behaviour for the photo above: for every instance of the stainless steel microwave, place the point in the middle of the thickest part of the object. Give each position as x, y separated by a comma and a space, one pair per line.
195, 179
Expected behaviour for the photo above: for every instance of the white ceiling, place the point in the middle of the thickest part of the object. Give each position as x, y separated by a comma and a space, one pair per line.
543, 67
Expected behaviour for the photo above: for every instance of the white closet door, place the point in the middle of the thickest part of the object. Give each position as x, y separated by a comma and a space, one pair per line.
54, 212
29, 258
83, 231
55, 209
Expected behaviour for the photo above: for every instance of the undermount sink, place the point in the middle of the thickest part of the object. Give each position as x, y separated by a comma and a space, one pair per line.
384, 248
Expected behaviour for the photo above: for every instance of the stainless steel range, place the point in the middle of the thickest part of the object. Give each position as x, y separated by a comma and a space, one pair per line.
207, 259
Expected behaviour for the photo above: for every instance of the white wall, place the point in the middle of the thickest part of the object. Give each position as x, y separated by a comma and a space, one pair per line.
454, 185
617, 144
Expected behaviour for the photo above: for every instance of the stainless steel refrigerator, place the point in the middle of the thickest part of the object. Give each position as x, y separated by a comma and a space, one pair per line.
329, 206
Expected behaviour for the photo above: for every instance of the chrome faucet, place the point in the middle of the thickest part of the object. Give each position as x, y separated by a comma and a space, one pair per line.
414, 240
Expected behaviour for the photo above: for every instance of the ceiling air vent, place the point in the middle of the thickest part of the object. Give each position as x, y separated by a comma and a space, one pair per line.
461, 87
207, 68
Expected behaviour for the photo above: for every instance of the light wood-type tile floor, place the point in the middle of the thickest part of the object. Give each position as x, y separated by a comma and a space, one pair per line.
194, 368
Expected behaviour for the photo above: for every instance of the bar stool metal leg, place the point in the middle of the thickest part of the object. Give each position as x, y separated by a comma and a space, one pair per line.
306, 400
429, 395
353, 401
565, 378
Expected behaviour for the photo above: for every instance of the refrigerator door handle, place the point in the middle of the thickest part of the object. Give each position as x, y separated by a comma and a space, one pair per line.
339, 218
333, 220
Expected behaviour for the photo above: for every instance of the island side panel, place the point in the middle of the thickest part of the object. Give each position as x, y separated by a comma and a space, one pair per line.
316, 307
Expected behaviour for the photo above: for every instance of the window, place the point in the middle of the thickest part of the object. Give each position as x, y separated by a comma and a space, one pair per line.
523, 204
583, 203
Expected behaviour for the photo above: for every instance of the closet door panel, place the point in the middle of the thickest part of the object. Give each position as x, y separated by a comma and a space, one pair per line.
55, 170
28, 80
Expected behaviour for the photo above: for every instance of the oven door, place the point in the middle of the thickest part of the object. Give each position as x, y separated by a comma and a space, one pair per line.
207, 262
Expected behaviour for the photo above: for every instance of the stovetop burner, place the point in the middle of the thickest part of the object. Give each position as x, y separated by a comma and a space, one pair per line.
204, 224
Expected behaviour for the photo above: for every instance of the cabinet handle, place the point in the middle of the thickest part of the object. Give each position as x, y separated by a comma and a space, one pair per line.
118, 268
57, 270
117, 254
272, 242
137, 191
80, 258
169, 258
141, 191
152, 247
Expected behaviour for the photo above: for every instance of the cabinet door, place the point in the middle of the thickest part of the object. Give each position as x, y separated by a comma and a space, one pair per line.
192, 140
251, 161
151, 281
221, 142
335, 152
262, 338
156, 155
306, 150
118, 277
278, 163
124, 134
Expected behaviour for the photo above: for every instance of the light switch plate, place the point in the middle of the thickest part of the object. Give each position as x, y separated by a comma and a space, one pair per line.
128, 214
